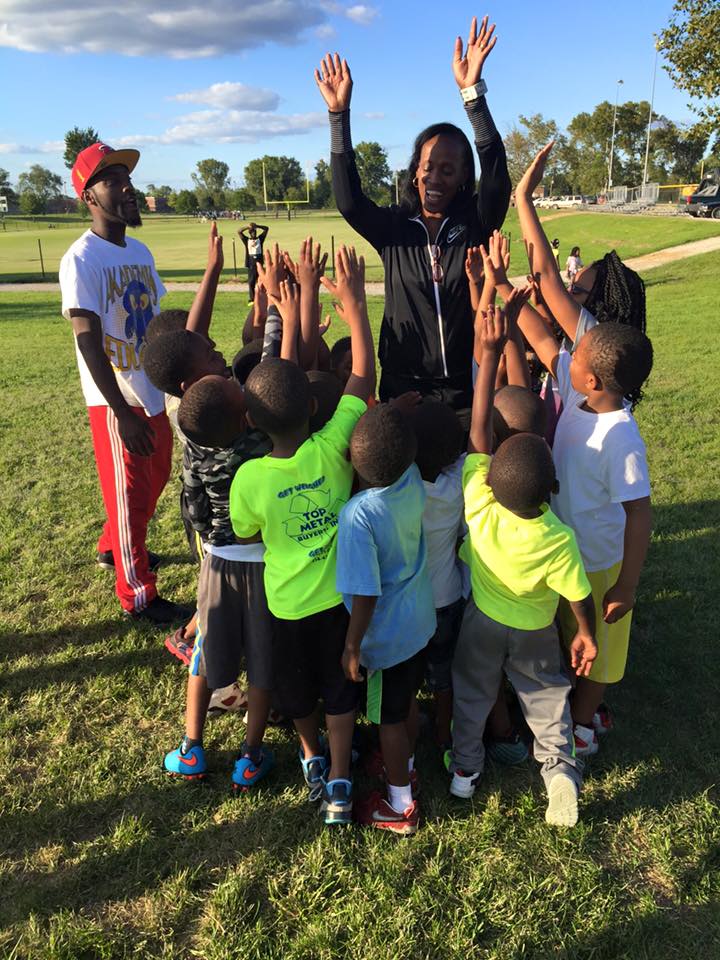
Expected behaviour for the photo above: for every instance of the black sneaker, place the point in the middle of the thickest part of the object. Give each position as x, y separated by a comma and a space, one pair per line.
106, 560
160, 610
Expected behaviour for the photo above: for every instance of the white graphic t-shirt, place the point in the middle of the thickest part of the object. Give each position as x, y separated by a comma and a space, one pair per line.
120, 285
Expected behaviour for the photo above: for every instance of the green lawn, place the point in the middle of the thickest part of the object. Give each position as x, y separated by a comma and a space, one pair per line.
179, 244
101, 856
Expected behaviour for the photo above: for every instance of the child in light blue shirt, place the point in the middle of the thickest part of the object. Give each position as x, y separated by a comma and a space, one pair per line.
382, 575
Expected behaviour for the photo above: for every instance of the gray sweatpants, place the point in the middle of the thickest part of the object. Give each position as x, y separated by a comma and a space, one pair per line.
533, 663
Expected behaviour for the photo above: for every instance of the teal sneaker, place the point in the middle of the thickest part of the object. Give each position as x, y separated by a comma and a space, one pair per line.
508, 751
336, 804
247, 773
314, 770
187, 764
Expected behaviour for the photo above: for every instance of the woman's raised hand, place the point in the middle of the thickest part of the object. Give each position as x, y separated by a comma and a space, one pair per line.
468, 68
335, 82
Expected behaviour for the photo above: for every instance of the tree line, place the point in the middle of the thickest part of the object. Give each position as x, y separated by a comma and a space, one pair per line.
579, 163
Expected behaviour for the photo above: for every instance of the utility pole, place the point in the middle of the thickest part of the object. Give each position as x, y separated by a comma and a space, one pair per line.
612, 139
652, 101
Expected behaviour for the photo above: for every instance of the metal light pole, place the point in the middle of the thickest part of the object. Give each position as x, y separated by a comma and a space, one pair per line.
652, 100
612, 139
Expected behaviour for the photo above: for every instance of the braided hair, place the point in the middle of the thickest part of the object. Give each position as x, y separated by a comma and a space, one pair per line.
618, 293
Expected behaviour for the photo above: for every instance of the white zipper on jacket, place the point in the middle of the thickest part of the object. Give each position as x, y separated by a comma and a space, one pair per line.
437, 289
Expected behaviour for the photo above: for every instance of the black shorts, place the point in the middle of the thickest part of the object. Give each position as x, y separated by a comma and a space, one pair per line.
307, 668
389, 693
441, 648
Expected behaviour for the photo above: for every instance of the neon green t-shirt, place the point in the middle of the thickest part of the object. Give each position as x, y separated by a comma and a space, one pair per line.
294, 503
518, 567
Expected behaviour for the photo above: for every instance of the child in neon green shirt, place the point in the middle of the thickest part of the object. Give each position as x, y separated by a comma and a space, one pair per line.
292, 497
521, 559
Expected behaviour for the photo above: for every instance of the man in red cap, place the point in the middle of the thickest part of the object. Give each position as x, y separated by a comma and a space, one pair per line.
110, 292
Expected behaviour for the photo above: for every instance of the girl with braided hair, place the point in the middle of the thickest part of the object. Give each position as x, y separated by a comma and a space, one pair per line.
605, 290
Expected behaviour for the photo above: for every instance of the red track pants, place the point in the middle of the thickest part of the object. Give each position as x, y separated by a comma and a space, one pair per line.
130, 487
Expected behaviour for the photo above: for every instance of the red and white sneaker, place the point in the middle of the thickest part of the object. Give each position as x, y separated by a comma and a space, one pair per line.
586, 743
602, 720
228, 699
375, 811
375, 767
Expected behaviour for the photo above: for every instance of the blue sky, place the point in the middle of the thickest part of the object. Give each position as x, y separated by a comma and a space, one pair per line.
189, 79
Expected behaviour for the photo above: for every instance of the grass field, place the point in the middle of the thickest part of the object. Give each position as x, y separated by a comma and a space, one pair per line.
179, 244
101, 856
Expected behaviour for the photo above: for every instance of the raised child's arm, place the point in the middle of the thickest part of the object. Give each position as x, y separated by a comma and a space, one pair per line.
531, 324
542, 259
308, 270
351, 306
288, 303
491, 332
202, 306
620, 598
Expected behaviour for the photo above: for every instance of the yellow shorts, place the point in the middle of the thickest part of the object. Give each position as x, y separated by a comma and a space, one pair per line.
612, 638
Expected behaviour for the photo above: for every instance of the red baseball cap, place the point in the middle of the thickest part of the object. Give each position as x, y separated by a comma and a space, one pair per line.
95, 158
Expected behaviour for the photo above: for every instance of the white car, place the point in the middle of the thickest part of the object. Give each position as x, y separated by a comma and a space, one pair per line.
559, 203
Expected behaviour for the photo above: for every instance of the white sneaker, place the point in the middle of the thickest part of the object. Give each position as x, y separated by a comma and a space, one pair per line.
586, 742
562, 808
228, 699
463, 784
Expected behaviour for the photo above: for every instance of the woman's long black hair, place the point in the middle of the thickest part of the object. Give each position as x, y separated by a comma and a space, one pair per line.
410, 198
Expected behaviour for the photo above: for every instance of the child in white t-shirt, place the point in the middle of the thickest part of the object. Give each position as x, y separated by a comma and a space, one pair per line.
573, 265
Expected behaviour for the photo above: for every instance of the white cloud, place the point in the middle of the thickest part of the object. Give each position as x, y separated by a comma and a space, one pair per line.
325, 31
170, 28
374, 116
361, 13
228, 126
50, 146
232, 96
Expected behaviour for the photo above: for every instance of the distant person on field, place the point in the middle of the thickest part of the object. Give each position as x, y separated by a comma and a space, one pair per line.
573, 265
555, 246
110, 293
253, 237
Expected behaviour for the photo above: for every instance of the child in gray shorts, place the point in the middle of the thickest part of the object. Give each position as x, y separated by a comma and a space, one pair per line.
521, 560
233, 616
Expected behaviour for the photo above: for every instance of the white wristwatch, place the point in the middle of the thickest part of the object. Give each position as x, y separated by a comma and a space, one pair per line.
474, 93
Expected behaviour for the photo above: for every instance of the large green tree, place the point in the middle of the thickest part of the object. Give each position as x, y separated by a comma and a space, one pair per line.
281, 174
5, 189
211, 179
690, 45
372, 164
76, 140
525, 139
162, 191
186, 202
40, 183
321, 191
240, 198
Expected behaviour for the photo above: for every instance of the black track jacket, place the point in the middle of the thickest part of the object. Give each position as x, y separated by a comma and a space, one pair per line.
427, 327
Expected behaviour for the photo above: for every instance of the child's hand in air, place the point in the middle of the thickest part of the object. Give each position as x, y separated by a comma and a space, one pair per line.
532, 177
288, 303
348, 288
516, 300
583, 651
493, 330
310, 265
494, 261
467, 69
216, 258
335, 83
474, 265
272, 271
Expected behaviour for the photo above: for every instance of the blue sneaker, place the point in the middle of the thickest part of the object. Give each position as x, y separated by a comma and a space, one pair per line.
314, 770
337, 802
508, 751
246, 773
189, 765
